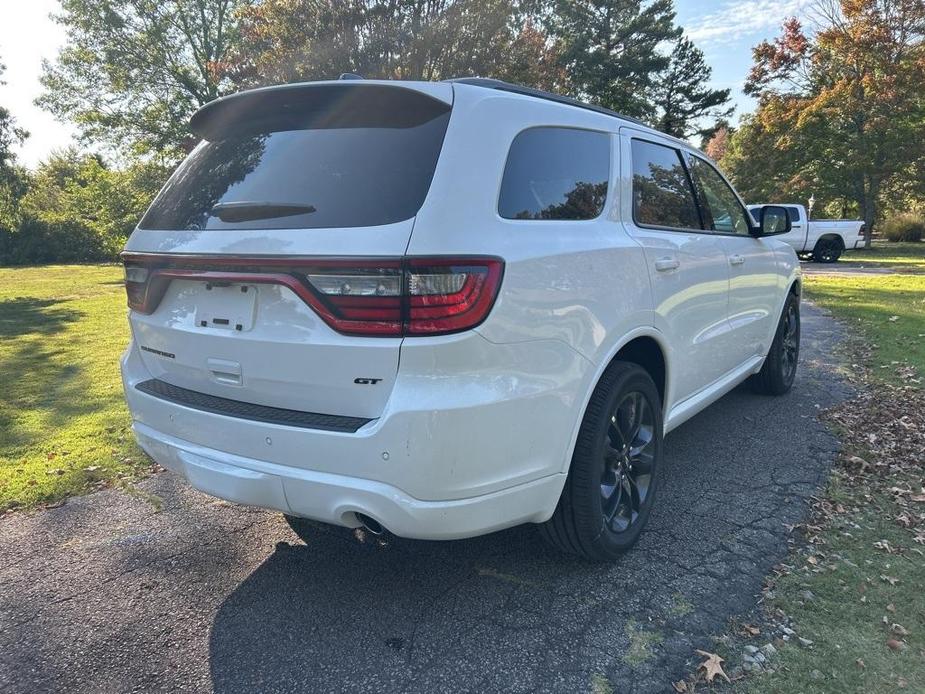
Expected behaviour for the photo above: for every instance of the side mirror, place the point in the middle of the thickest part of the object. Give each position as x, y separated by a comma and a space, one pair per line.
772, 220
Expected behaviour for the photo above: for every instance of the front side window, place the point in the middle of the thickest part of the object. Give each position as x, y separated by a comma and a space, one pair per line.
662, 195
556, 173
721, 208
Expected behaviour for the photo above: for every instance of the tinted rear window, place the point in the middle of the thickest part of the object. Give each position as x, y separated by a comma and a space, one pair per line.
278, 176
555, 173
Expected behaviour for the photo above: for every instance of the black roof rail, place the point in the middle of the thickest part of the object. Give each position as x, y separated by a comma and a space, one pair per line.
503, 86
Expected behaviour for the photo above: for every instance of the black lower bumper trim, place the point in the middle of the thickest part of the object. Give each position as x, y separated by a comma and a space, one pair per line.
246, 410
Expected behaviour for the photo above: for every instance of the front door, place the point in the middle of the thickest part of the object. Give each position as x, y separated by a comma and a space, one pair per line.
754, 277
687, 265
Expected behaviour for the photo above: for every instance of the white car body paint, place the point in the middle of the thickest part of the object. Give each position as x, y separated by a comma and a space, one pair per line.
468, 432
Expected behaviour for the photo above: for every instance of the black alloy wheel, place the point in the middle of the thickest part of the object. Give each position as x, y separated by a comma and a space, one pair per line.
627, 462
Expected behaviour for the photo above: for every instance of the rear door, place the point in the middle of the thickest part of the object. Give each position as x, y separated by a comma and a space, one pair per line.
264, 269
754, 282
687, 265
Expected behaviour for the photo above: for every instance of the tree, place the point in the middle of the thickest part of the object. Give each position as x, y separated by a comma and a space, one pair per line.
78, 208
610, 49
132, 71
12, 177
681, 96
301, 40
845, 107
718, 143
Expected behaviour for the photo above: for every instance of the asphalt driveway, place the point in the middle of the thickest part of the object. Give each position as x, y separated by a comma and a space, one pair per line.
104, 594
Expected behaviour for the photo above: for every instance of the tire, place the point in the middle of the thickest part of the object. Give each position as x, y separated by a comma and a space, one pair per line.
780, 366
828, 250
606, 477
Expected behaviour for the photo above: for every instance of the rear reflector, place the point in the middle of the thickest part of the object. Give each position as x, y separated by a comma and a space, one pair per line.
388, 297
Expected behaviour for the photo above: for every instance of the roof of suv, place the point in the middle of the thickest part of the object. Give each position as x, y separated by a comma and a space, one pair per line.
500, 85
201, 121
540, 94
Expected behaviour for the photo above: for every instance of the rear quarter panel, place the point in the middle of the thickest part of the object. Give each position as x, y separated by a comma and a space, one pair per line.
579, 289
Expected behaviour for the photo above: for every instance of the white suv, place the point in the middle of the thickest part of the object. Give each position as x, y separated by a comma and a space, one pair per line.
443, 309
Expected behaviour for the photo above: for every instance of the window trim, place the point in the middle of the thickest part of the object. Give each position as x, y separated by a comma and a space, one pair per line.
610, 172
690, 182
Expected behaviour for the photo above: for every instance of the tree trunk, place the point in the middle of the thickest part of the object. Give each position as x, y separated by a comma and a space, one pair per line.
869, 208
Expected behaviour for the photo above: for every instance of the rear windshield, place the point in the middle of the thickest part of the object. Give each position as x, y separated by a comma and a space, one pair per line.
267, 176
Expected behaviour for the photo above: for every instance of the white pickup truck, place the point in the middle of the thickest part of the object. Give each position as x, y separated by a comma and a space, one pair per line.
822, 240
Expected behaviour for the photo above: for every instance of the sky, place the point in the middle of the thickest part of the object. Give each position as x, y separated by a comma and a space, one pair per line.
725, 30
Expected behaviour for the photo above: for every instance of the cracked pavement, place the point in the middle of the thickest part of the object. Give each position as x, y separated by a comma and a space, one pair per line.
104, 594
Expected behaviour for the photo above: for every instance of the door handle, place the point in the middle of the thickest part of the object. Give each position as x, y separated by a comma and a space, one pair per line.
665, 264
736, 259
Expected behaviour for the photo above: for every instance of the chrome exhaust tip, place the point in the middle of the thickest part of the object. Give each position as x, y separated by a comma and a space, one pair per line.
370, 525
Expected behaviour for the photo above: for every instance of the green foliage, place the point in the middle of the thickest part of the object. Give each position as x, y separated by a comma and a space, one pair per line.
132, 72
610, 49
12, 177
301, 40
682, 97
841, 114
904, 227
78, 209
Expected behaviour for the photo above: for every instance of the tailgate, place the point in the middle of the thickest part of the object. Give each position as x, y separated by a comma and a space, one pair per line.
285, 180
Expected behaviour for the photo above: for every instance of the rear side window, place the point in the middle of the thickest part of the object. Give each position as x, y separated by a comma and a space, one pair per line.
556, 173
794, 213
337, 164
662, 194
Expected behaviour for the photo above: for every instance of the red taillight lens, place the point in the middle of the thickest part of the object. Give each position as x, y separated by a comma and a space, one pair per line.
372, 297
414, 296
449, 295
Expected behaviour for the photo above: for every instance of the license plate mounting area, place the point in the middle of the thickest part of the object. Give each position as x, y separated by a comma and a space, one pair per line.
226, 306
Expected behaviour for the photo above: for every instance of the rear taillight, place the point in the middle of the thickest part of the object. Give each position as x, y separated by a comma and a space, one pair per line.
372, 297
862, 231
414, 296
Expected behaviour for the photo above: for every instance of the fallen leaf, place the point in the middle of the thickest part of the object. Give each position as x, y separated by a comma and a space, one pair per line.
895, 645
891, 608
680, 686
899, 630
892, 580
712, 666
893, 319
860, 663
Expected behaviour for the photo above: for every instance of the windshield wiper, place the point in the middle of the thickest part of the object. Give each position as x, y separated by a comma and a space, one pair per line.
248, 210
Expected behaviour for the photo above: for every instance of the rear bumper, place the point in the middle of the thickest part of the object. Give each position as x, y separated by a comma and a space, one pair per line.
337, 499
456, 453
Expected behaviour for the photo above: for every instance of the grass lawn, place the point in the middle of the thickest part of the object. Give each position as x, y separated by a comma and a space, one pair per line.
864, 563
885, 254
888, 310
64, 427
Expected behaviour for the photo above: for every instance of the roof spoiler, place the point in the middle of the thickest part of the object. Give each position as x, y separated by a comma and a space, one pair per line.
343, 104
